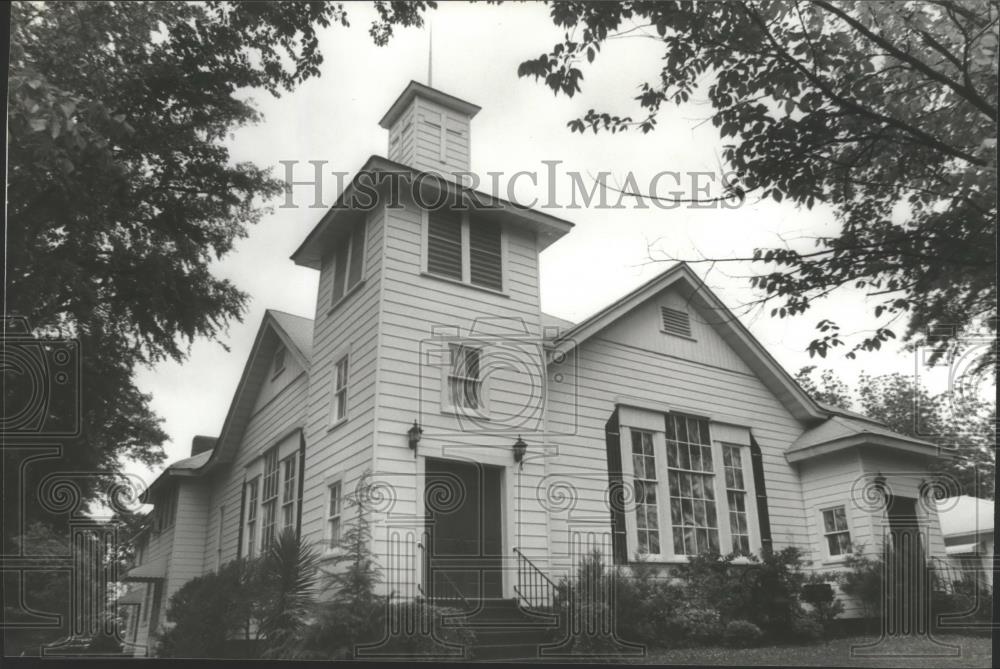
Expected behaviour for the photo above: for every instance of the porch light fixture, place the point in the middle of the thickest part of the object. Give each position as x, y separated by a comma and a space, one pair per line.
520, 448
413, 437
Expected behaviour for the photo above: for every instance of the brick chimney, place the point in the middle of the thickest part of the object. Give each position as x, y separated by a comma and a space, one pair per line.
200, 444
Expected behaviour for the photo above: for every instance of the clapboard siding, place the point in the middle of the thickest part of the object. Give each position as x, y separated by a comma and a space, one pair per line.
600, 371
342, 452
410, 378
416, 136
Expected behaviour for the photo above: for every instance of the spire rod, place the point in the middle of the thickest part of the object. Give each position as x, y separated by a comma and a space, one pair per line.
430, 53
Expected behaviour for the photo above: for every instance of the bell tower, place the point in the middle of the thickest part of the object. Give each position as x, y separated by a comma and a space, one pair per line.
429, 130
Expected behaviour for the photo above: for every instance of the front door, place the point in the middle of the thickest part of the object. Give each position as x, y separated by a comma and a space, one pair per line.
906, 595
464, 527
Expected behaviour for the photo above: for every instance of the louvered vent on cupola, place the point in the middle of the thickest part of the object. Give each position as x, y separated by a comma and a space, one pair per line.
675, 321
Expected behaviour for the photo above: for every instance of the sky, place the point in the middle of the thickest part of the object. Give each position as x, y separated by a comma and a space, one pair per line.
476, 51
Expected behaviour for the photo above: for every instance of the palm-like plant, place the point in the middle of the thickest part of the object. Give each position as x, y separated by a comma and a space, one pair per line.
287, 577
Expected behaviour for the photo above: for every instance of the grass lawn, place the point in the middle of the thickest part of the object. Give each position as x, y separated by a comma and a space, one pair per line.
970, 651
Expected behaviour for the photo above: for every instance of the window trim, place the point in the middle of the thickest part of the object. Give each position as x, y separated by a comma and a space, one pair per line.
289, 489
666, 554
349, 288
466, 279
328, 517
334, 420
827, 556
447, 406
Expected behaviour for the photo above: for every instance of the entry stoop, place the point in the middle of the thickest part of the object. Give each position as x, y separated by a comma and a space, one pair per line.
506, 631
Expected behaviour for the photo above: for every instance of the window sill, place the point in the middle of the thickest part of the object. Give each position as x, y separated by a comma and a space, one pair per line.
331, 553
834, 561
350, 293
456, 282
334, 426
277, 373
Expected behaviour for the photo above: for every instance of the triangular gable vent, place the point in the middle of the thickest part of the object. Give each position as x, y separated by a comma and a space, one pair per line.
675, 321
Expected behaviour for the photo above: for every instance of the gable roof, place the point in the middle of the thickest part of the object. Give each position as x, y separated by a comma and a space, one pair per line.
295, 332
843, 431
348, 208
736, 335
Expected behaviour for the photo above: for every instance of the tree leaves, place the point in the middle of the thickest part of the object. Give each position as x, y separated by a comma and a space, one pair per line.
872, 108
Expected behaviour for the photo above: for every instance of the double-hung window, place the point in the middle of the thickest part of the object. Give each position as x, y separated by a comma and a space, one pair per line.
348, 263
646, 510
270, 498
333, 515
465, 247
465, 385
736, 497
338, 400
690, 492
836, 531
252, 501
289, 492
691, 478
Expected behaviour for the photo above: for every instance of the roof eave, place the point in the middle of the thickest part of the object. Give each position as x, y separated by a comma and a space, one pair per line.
864, 440
415, 88
310, 252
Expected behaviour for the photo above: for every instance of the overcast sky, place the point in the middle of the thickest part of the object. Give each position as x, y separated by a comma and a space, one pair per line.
477, 49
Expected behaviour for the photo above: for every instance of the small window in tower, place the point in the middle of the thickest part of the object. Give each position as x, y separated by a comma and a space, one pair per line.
675, 321
348, 263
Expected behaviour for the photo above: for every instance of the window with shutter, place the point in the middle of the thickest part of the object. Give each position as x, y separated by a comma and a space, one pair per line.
444, 244
485, 254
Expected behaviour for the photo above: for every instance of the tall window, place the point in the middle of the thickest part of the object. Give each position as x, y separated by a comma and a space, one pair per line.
464, 382
838, 536
270, 497
252, 516
691, 479
288, 492
736, 496
646, 515
348, 263
465, 248
333, 515
338, 402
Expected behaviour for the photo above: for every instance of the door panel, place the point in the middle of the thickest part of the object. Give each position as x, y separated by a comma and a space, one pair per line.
464, 526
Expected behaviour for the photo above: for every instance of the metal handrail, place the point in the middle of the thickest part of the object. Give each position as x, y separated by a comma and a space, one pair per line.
454, 586
533, 585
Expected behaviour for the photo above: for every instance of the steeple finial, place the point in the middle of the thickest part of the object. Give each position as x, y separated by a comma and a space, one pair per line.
430, 53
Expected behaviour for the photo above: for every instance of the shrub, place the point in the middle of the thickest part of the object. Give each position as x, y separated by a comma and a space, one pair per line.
806, 629
862, 580
818, 593
741, 634
698, 625
206, 611
766, 592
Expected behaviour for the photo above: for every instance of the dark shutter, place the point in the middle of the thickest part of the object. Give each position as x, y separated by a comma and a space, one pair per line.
484, 254
357, 256
763, 518
616, 491
444, 244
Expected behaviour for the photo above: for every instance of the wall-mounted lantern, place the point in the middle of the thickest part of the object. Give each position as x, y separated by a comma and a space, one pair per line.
413, 437
520, 448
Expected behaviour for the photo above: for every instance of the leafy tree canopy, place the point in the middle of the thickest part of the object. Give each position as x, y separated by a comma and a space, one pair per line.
885, 111
964, 424
121, 190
